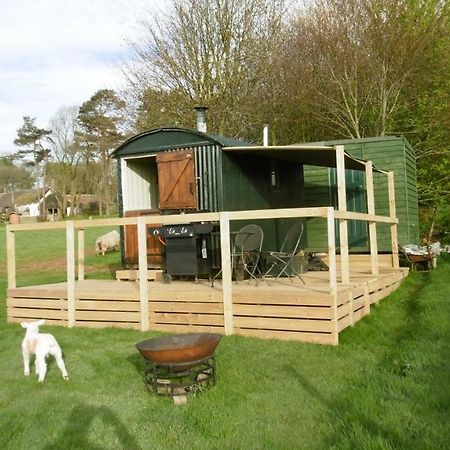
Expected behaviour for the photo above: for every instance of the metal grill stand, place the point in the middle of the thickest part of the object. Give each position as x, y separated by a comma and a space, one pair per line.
180, 379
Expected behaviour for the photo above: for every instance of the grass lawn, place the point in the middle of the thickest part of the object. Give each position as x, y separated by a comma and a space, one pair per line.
386, 386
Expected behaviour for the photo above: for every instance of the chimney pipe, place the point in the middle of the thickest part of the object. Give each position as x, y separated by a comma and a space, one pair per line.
266, 135
201, 118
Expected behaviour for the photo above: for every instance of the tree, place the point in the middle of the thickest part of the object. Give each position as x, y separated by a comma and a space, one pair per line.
361, 57
214, 53
100, 130
65, 172
31, 139
13, 177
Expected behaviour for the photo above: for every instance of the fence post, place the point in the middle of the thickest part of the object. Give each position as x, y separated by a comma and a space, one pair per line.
11, 257
143, 281
332, 272
224, 219
393, 215
70, 249
81, 254
372, 225
342, 206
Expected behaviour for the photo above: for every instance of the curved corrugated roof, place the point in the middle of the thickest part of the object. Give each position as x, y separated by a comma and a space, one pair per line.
167, 138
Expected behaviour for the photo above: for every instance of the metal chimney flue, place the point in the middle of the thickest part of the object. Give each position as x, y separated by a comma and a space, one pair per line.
266, 136
201, 118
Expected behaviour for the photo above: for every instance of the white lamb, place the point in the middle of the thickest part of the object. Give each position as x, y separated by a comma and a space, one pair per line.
41, 345
109, 241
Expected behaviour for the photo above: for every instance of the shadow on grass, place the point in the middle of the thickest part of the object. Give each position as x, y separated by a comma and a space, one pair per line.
340, 412
410, 328
347, 411
78, 434
137, 361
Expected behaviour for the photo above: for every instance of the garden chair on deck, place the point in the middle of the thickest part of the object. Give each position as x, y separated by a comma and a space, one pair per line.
246, 251
280, 262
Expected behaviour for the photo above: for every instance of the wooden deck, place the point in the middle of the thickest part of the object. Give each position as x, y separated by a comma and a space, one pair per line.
271, 309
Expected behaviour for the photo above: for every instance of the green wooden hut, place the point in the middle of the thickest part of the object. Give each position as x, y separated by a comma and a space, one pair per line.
172, 170
169, 170
387, 153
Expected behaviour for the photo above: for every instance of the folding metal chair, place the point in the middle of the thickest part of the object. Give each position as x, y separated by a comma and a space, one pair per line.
246, 252
280, 262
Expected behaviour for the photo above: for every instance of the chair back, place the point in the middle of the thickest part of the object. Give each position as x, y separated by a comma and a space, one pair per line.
249, 238
292, 239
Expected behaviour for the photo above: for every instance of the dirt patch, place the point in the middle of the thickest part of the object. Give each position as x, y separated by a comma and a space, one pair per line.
55, 264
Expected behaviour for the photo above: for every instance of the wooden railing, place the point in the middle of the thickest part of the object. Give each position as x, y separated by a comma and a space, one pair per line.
224, 219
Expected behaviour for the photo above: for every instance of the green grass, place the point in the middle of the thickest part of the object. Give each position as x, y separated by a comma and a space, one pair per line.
384, 387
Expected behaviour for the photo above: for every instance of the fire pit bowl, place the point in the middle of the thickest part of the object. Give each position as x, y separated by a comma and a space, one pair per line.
179, 349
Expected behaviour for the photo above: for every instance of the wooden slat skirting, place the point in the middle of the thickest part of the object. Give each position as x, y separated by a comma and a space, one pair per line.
282, 310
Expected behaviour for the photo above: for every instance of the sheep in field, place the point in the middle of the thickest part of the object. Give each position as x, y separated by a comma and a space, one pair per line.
109, 241
41, 345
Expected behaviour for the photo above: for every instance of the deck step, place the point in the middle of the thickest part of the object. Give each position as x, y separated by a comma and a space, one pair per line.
133, 275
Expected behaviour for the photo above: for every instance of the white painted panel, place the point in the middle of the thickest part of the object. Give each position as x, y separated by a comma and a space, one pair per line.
139, 183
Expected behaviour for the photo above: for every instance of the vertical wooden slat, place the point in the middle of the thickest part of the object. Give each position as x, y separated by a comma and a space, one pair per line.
366, 299
81, 254
226, 272
70, 247
350, 314
342, 206
332, 271
143, 281
11, 257
393, 215
372, 225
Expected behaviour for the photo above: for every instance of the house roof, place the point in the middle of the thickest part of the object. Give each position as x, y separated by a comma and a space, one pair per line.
83, 199
315, 154
24, 197
356, 140
170, 138
5, 200
9, 199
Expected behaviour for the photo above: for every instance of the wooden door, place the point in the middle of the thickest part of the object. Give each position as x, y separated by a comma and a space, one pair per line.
155, 251
176, 178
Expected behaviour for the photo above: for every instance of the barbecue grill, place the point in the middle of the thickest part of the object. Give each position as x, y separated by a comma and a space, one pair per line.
187, 249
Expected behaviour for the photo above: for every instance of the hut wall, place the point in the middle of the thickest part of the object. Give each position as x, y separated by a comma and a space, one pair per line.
389, 153
253, 182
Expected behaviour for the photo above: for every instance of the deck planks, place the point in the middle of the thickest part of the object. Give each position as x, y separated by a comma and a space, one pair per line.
271, 309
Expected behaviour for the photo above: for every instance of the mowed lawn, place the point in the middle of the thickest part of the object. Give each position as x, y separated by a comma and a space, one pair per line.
386, 386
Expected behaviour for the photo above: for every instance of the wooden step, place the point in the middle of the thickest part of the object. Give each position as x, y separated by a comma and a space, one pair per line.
133, 275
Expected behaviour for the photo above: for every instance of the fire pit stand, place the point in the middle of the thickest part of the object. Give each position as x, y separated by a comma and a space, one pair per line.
180, 379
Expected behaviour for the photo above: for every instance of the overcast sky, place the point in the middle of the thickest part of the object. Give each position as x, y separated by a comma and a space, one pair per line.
56, 53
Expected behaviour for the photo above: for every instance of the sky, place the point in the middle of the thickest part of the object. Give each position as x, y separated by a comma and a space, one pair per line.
57, 53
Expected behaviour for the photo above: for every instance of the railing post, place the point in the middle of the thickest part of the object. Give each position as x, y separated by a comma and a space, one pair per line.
81, 254
332, 272
393, 215
70, 248
372, 225
226, 272
342, 206
143, 280
10, 257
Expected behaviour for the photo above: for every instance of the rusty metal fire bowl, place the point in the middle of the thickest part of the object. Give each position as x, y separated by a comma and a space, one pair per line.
181, 348
181, 364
